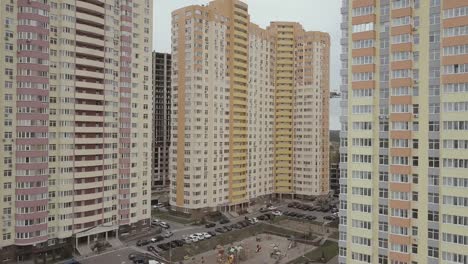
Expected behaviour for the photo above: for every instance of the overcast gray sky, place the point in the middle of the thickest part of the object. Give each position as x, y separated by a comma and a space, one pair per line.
319, 15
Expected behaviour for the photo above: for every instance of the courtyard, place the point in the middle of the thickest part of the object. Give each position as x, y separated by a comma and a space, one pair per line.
259, 249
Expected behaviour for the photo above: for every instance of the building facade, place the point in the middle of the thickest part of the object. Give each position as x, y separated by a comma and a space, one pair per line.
76, 128
162, 118
404, 152
252, 108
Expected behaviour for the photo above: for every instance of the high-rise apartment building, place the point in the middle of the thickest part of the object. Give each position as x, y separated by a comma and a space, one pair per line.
75, 155
250, 114
404, 138
162, 118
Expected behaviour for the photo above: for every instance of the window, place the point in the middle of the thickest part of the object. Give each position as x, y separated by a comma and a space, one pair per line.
383, 193
433, 162
433, 252
363, 27
433, 233
433, 216
383, 226
383, 209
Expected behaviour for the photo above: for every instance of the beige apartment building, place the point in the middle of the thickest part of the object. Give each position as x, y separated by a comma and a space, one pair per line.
76, 98
250, 109
404, 138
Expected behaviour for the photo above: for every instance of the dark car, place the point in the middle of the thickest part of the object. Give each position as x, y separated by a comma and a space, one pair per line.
210, 225
220, 230
139, 260
173, 244
224, 221
329, 217
291, 204
227, 228
262, 217
311, 217
263, 209
141, 243
212, 233
131, 256
164, 246
72, 261
179, 242
299, 215
269, 216
151, 248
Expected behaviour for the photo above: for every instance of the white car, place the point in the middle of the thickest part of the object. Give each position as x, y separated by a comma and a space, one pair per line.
271, 208
200, 236
188, 240
206, 235
276, 213
253, 220
163, 225
168, 234
194, 238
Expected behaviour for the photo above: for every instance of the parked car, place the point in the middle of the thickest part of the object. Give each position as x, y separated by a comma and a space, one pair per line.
173, 244
139, 260
164, 225
151, 248
224, 221
206, 235
194, 238
155, 221
262, 217
157, 239
220, 230
329, 217
212, 233
71, 261
141, 243
272, 208
209, 225
158, 205
228, 228
311, 217
187, 240
276, 213
179, 242
291, 204
164, 246
168, 234
131, 256
263, 209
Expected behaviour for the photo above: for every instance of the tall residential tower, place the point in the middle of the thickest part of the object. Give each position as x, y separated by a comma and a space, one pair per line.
162, 118
250, 114
404, 139
75, 155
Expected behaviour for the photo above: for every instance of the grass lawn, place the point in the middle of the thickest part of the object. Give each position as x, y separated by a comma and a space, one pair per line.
164, 215
330, 249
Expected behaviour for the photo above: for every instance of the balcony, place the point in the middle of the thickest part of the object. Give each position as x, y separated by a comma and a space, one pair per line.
92, 8
90, 96
90, 85
89, 140
89, 129
91, 74
90, 18
91, 63
89, 40
89, 107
